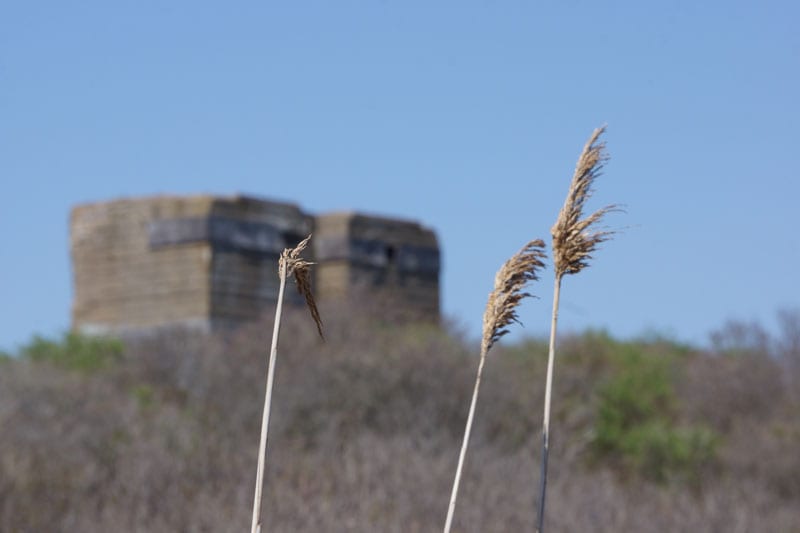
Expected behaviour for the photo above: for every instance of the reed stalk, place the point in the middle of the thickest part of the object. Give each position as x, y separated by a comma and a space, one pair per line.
290, 263
574, 241
499, 314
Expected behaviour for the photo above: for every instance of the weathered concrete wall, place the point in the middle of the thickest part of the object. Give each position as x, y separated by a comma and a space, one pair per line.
199, 261
395, 261
120, 280
244, 271
210, 261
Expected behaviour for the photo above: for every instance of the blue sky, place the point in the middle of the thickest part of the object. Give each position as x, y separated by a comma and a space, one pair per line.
467, 116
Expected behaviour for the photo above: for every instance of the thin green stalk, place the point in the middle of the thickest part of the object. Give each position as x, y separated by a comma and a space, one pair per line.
548, 392
262, 447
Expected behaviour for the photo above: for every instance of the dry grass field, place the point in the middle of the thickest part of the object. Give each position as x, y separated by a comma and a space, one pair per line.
160, 434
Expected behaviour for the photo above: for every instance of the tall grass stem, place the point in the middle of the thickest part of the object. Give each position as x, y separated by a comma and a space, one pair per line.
262, 447
453, 495
574, 242
548, 393
508, 292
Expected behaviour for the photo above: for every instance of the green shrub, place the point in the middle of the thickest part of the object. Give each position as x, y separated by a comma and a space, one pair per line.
635, 424
74, 351
145, 395
662, 452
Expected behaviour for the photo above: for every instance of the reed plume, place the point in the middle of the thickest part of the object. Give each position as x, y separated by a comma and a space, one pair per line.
574, 242
301, 270
290, 262
500, 313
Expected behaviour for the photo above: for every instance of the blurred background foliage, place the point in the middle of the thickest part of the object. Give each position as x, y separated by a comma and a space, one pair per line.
160, 433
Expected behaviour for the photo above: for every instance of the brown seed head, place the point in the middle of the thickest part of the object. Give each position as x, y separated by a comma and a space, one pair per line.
300, 268
573, 239
507, 293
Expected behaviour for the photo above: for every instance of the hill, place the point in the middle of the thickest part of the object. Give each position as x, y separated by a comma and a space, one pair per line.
161, 434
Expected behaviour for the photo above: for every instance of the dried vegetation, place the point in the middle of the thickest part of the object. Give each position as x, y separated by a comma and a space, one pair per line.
160, 438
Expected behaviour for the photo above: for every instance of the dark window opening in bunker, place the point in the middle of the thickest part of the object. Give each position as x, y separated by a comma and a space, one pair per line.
390, 254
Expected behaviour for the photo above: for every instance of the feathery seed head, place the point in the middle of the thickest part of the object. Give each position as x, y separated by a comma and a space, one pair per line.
573, 239
508, 291
300, 269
